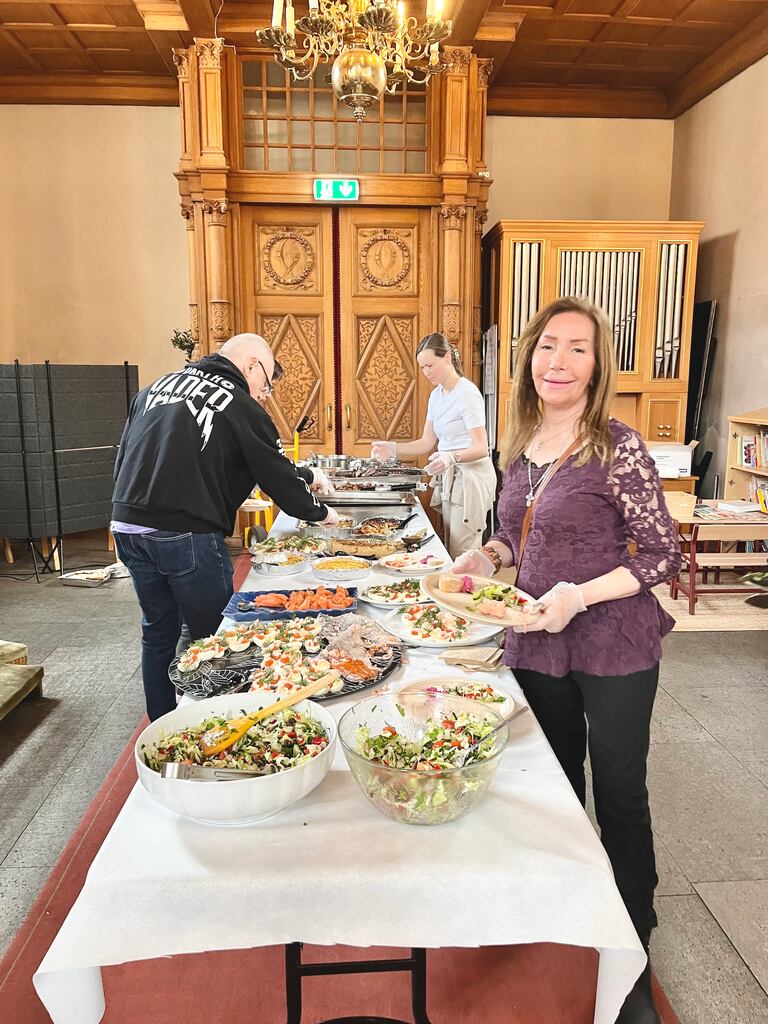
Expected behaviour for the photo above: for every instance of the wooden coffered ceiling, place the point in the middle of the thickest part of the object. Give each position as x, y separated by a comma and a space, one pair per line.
620, 58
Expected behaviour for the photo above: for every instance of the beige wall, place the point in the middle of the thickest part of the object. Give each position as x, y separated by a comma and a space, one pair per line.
552, 168
93, 253
719, 175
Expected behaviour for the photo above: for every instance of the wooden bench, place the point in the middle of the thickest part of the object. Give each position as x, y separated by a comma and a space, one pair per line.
698, 559
12, 653
18, 682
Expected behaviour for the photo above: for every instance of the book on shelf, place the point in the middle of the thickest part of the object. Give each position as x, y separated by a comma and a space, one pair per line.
739, 505
713, 514
758, 492
753, 450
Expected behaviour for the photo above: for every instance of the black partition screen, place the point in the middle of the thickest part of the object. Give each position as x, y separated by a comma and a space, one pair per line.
59, 430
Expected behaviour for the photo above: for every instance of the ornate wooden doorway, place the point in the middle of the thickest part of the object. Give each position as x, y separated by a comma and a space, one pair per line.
342, 294
386, 306
288, 298
343, 298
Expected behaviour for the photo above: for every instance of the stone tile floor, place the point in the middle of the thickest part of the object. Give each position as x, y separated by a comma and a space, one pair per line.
708, 779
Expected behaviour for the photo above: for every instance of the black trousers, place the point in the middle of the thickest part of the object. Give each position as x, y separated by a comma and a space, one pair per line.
611, 715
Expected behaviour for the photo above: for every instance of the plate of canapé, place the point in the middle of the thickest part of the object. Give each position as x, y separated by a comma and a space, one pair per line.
413, 563
393, 595
429, 625
490, 694
481, 599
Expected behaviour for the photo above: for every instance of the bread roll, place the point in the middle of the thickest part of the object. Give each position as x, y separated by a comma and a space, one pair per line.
449, 583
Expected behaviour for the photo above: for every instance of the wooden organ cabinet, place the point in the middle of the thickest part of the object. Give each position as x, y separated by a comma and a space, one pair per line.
641, 273
342, 291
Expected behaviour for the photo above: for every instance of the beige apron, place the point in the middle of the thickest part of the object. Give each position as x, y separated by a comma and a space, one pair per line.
464, 494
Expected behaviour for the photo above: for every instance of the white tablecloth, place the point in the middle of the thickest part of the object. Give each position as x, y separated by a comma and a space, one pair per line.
524, 866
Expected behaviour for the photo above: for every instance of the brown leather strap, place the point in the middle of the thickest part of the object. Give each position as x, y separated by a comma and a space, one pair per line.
553, 468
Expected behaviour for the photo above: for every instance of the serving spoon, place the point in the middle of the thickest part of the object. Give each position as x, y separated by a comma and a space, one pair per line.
497, 728
220, 737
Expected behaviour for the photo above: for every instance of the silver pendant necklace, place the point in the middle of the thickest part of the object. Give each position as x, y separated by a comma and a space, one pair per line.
531, 488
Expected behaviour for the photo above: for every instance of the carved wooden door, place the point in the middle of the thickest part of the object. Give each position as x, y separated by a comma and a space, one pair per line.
287, 278
387, 300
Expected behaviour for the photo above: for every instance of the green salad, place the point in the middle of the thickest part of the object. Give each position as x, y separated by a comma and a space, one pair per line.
281, 741
442, 747
425, 788
499, 592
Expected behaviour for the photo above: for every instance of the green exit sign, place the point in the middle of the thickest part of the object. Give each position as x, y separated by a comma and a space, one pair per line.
336, 190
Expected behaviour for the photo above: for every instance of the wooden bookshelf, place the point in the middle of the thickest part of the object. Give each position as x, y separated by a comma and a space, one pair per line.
739, 476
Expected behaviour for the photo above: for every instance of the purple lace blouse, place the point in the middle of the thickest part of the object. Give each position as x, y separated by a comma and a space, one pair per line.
580, 528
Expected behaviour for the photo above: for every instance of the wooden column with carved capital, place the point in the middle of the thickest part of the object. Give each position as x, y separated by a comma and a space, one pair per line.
480, 75
187, 110
453, 218
455, 169
209, 72
188, 213
215, 219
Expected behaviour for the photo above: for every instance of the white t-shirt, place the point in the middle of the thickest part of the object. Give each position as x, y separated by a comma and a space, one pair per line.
454, 413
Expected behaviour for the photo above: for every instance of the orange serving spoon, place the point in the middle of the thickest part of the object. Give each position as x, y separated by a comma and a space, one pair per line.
218, 738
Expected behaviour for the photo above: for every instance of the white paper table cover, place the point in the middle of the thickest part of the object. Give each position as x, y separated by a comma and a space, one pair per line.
524, 866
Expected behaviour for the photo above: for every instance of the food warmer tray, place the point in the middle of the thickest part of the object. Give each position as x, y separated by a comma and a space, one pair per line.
376, 499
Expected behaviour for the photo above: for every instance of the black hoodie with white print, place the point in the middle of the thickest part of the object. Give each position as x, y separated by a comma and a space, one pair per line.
194, 447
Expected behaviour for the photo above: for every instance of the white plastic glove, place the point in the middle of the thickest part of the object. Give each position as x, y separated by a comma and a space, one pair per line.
383, 450
473, 563
439, 462
332, 519
558, 606
320, 482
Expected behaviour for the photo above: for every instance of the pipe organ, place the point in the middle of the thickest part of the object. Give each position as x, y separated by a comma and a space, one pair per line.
641, 273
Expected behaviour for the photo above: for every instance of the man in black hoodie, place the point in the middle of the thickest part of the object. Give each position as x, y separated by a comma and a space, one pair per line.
196, 443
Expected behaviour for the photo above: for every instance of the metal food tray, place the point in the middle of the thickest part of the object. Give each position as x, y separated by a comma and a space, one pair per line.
392, 481
349, 532
345, 499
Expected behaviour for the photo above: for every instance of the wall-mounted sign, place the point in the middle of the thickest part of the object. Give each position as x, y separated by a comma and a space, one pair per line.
336, 190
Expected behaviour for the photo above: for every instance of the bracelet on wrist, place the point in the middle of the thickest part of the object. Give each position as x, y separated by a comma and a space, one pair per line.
494, 556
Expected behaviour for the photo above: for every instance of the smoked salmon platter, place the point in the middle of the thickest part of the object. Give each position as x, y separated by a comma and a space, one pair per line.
284, 604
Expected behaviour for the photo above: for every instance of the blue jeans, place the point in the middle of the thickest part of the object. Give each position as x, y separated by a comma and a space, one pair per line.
178, 578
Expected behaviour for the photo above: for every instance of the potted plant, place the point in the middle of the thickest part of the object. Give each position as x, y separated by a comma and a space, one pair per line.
183, 340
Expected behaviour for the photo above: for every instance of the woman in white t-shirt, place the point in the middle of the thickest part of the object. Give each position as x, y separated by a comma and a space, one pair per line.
464, 477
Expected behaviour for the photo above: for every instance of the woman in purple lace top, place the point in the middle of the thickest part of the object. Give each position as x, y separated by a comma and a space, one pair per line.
589, 664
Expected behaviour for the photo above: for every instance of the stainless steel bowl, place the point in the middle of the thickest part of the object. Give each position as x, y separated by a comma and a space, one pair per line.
334, 461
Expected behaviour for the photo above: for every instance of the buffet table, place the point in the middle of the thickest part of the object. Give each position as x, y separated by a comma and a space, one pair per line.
524, 866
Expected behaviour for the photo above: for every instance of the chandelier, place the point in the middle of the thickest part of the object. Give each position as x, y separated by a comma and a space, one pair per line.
373, 46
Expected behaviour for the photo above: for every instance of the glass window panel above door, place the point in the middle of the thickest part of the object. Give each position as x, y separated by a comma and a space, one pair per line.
307, 114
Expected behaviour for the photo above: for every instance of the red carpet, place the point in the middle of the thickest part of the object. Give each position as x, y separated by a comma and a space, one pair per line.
535, 984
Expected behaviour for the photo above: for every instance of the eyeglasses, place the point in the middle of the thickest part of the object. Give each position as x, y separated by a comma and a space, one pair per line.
277, 373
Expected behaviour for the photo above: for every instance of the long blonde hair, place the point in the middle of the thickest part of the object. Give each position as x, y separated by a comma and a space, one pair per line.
525, 405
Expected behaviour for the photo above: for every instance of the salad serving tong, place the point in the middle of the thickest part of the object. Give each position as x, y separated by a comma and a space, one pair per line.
200, 773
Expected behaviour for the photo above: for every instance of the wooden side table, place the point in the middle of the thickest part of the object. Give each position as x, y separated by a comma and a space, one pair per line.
697, 532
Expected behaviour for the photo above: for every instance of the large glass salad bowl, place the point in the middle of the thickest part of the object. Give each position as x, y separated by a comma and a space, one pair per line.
407, 751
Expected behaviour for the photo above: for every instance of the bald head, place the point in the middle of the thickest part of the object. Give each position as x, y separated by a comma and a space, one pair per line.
253, 357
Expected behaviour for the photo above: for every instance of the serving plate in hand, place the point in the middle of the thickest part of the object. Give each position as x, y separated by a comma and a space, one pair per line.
216, 676
476, 633
462, 604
